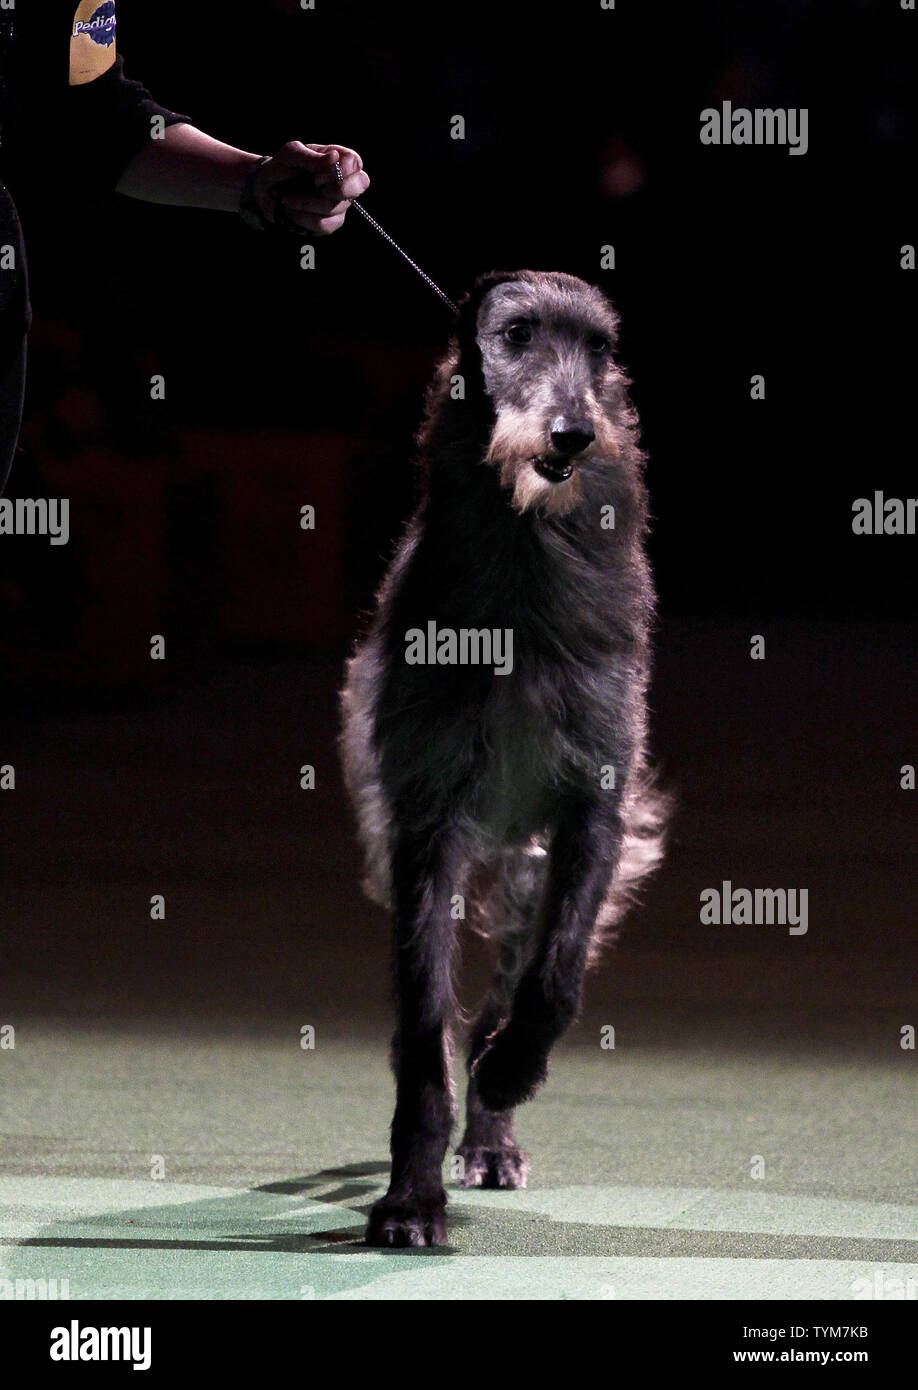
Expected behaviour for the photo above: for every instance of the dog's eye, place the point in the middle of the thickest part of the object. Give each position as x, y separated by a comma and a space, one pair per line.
598, 344
518, 334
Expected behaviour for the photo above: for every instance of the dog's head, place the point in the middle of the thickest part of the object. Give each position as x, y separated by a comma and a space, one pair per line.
539, 347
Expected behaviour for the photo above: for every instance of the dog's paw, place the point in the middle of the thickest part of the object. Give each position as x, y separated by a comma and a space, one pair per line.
506, 1166
509, 1073
408, 1221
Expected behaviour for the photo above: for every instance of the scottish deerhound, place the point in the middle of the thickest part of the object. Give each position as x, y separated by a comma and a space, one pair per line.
520, 789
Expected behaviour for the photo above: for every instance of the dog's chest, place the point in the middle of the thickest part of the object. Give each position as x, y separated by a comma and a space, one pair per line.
512, 693
539, 738
520, 761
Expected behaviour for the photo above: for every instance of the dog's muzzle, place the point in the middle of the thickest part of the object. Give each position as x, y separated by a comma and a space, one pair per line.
569, 437
553, 470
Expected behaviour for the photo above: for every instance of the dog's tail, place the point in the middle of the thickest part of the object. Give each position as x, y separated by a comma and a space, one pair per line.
646, 813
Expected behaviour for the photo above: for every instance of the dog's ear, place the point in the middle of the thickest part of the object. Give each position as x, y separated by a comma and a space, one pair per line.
470, 303
468, 358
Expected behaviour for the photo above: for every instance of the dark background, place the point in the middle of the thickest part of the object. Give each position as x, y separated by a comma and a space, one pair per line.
286, 387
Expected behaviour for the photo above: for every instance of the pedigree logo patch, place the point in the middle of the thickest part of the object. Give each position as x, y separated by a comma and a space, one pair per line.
92, 41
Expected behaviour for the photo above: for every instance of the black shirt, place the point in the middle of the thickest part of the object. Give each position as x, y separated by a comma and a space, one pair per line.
64, 86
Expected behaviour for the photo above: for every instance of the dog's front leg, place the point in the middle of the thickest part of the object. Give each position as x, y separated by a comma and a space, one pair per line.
584, 852
489, 1152
413, 1211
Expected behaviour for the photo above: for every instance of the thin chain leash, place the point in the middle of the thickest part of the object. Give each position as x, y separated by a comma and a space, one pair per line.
393, 243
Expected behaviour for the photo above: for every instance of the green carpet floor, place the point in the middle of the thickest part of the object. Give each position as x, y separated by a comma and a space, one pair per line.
176, 1042
641, 1184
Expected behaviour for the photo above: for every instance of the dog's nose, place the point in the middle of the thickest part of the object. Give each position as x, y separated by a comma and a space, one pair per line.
571, 437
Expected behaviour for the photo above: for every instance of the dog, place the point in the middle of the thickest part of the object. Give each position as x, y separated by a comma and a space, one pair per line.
518, 795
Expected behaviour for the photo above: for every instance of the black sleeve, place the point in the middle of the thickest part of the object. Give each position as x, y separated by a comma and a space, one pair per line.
111, 121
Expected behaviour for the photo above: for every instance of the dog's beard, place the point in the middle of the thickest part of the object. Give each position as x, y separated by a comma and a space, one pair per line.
516, 447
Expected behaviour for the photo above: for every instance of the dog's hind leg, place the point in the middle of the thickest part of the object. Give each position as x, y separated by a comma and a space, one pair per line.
583, 855
413, 1210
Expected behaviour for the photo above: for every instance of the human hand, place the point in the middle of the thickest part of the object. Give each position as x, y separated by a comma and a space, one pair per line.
298, 188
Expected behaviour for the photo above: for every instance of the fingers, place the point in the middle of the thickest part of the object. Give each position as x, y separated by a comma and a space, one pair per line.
319, 226
326, 225
354, 185
317, 200
328, 206
300, 156
309, 210
354, 181
320, 159
318, 215
349, 160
